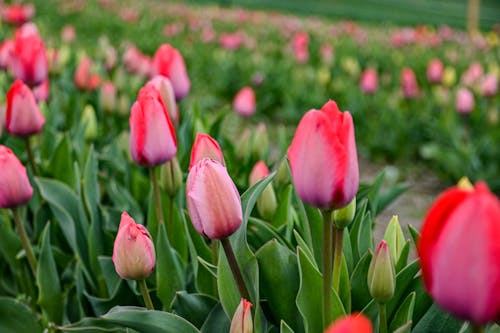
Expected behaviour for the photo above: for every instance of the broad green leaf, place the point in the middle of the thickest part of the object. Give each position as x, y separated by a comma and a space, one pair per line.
217, 321
385, 198
404, 313
283, 212
436, 320
260, 232
359, 285
284, 328
345, 287
422, 300
195, 308
355, 227
10, 244
403, 279
403, 257
305, 248
111, 278
61, 163
415, 235
16, 317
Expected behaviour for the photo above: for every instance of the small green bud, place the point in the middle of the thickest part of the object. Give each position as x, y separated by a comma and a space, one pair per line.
343, 217
171, 176
266, 203
89, 120
395, 238
283, 173
260, 142
382, 275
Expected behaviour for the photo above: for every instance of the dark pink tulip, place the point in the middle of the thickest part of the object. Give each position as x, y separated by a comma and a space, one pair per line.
15, 187
84, 78
6, 48
214, 204
435, 70
107, 96
133, 252
169, 62
354, 323
23, 117
409, 84
205, 146
244, 102
323, 158
41, 91
164, 87
464, 101
18, 14
300, 47
152, 135
460, 253
369, 81
489, 86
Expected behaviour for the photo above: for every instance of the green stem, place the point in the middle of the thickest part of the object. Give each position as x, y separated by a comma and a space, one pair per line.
235, 269
382, 318
477, 328
145, 294
327, 269
25, 240
156, 195
31, 157
170, 221
338, 238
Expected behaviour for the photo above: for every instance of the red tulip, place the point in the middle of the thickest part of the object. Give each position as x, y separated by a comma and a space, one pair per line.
28, 59
300, 47
18, 14
6, 48
435, 71
354, 323
369, 82
460, 252
84, 78
244, 102
15, 187
23, 117
214, 204
164, 87
489, 87
464, 101
323, 158
205, 146
169, 62
133, 252
409, 84
152, 135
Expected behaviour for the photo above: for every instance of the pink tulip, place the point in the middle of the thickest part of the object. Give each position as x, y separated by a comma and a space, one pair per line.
464, 101
460, 253
41, 91
152, 135
213, 201
472, 75
369, 81
133, 252
323, 158
164, 87
68, 33
108, 96
6, 48
23, 117
205, 146
84, 78
489, 86
28, 59
17, 14
354, 323
15, 187
242, 318
169, 62
300, 47
326, 53
409, 84
231, 41
244, 102
435, 71
259, 171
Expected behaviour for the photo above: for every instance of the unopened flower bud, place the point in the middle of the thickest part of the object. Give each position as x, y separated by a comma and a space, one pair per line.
343, 217
89, 120
266, 203
381, 274
171, 176
395, 238
260, 142
242, 318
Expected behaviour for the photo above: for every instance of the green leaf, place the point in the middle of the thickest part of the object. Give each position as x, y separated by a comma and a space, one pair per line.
249, 198
195, 308
49, 297
260, 232
388, 196
217, 321
16, 317
403, 279
436, 320
110, 277
355, 229
61, 163
345, 286
359, 285
403, 257
422, 300
283, 212
415, 235
284, 328
404, 313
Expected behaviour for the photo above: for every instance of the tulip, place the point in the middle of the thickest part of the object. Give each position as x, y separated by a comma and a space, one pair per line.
354, 323
41, 91
472, 74
18, 14
68, 33
435, 71
409, 84
395, 238
89, 121
464, 101
169, 62
15, 187
28, 59
6, 48
133, 251
300, 47
323, 158
231, 41
369, 82
266, 203
260, 141
489, 87
242, 318
84, 78
244, 102
107, 96
167, 94
381, 274
152, 135
214, 204
23, 117
205, 146
460, 253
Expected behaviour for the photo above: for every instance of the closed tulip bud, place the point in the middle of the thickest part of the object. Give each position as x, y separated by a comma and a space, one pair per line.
459, 258
266, 203
107, 97
368, 82
171, 176
449, 76
395, 238
41, 92
169, 62
15, 187
409, 84
214, 204
23, 117
489, 87
353, 323
464, 101
167, 94
244, 145
152, 135
242, 318
343, 217
382, 274
84, 78
244, 102
205, 146
260, 142
435, 71
300, 47
133, 252
89, 120
323, 158
283, 173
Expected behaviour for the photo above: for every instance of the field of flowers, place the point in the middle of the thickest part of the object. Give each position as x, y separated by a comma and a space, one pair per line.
174, 168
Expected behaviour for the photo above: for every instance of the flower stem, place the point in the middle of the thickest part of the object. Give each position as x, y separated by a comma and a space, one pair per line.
477, 328
25, 240
338, 238
31, 157
382, 318
327, 269
235, 269
156, 195
145, 294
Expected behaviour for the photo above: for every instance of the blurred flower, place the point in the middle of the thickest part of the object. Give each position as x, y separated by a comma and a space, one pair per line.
353, 323
300, 47
464, 101
369, 82
231, 41
169, 62
15, 187
489, 87
84, 78
326, 53
205, 146
17, 13
68, 33
6, 48
435, 71
266, 202
242, 318
449, 76
207, 35
41, 91
136, 62
129, 15
472, 75
23, 117
409, 84
173, 29
107, 96
244, 102
89, 121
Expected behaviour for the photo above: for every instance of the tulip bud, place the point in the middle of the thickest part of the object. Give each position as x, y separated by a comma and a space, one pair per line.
167, 93
133, 252
449, 76
266, 203
213, 201
89, 120
171, 176
353, 323
381, 274
435, 70
15, 187
244, 147
395, 238
283, 173
23, 117
205, 146
409, 84
107, 97
343, 217
489, 87
242, 318
41, 91
368, 82
84, 78
260, 142
244, 102
169, 62
464, 101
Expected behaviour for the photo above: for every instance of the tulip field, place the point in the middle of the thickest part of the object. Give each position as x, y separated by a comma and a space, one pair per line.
195, 168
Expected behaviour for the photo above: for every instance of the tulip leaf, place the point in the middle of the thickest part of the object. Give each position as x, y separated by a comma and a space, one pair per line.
345, 286
284, 328
359, 285
195, 308
260, 232
61, 163
403, 279
123, 294
217, 321
355, 228
305, 248
404, 313
16, 317
249, 199
422, 300
403, 257
91, 186
385, 198
278, 263
10, 244
436, 320
111, 278
123, 201
415, 235
283, 212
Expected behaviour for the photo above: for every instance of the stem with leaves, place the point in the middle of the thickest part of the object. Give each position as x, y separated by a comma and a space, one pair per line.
31, 157
382, 318
338, 238
235, 269
25, 240
156, 195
